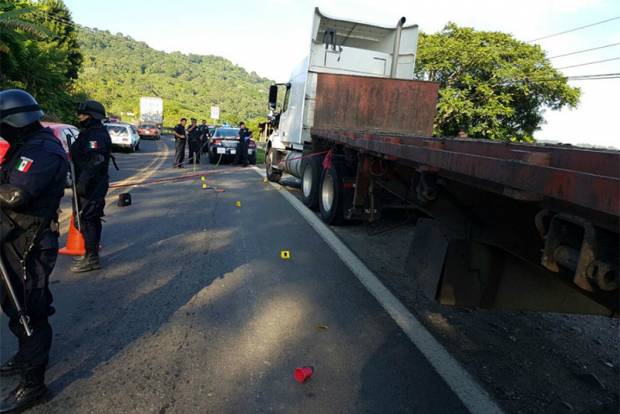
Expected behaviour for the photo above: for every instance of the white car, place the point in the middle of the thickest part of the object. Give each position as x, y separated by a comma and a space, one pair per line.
124, 136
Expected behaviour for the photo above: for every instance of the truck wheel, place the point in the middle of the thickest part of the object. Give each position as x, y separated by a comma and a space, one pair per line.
311, 168
331, 196
273, 175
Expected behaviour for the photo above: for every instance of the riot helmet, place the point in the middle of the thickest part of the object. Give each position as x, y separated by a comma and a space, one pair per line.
18, 108
92, 108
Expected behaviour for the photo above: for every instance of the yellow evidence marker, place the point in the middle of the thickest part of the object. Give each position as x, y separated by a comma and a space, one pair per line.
203, 178
204, 186
285, 254
238, 203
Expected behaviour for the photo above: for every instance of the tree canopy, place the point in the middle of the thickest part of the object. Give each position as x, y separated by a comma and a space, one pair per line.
491, 84
39, 53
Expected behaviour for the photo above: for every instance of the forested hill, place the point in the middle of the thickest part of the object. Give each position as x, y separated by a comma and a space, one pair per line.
118, 70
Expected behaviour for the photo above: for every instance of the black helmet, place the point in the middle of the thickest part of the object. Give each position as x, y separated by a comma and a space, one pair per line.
92, 108
18, 108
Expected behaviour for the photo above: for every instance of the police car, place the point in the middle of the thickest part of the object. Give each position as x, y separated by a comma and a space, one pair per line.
223, 146
124, 136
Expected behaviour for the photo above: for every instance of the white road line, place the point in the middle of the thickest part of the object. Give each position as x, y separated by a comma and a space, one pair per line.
471, 394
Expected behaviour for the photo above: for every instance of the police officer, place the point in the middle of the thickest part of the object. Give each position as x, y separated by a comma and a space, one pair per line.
91, 153
242, 145
193, 140
180, 137
203, 129
32, 180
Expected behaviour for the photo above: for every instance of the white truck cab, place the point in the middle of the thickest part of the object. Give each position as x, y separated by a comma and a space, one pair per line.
338, 47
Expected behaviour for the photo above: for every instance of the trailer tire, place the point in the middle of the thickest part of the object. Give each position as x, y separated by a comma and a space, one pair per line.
331, 196
272, 174
311, 169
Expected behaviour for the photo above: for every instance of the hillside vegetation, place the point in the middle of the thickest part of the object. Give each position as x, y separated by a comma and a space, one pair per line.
118, 70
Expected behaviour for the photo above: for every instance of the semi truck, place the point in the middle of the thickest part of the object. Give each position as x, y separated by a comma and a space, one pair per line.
152, 111
498, 224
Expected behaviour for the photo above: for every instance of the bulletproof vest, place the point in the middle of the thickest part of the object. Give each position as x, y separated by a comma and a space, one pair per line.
79, 154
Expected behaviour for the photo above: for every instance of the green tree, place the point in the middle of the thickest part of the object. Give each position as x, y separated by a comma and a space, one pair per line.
44, 56
491, 84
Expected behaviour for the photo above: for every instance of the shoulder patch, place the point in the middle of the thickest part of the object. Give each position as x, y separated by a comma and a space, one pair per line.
24, 164
93, 145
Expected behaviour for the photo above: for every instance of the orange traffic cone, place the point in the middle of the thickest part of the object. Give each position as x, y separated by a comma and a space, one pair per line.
75, 242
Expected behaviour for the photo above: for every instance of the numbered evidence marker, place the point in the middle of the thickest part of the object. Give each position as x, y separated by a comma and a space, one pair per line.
285, 254
204, 186
238, 203
203, 178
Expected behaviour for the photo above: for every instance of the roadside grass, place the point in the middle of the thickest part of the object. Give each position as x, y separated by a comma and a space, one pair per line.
260, 155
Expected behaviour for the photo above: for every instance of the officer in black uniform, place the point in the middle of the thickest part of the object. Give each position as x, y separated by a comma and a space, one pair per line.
193, 140
32, 181
91, 153
180, 136
242, 145
203, 129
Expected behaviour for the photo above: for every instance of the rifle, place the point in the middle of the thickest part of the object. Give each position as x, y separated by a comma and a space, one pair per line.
8, 226
75, 201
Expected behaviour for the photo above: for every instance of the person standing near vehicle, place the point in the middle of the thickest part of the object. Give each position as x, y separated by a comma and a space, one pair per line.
193, 141
91, 153
204, 135
242, 146
179, 143
32, 181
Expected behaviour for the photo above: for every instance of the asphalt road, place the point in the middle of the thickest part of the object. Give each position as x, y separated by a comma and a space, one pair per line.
195, 311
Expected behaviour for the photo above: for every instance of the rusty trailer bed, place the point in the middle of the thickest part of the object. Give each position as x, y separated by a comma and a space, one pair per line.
582, 177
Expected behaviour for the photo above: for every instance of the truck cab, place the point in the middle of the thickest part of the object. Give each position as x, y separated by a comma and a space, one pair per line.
337, 47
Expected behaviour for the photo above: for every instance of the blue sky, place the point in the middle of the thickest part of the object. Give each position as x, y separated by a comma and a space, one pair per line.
271, 36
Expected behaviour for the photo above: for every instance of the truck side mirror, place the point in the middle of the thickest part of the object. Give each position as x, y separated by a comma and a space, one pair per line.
273, 97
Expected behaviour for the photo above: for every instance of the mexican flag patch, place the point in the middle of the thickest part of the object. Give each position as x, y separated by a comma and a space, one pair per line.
92, 144
24, 164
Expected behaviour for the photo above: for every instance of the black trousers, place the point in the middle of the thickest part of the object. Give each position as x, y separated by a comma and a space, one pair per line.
194, 151
92, 211
179, 152
34, 296
242, 152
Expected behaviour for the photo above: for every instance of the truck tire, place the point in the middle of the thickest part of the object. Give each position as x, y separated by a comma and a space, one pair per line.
273, 175
311, 169
331, 196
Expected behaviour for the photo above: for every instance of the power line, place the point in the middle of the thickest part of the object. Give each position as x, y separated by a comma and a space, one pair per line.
584, 50
589, 63
573, 30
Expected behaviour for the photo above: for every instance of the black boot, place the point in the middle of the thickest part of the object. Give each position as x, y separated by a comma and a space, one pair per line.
12, 367
89, 262
30, 391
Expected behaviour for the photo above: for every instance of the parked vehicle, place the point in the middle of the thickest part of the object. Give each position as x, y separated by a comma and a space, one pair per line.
149, 131
66, 134
4, 147
499, 225
222, 145
124, 136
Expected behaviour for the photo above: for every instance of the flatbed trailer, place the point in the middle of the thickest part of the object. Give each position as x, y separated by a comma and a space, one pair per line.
497, 224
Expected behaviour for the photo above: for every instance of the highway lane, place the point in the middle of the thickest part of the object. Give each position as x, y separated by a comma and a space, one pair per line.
195, 311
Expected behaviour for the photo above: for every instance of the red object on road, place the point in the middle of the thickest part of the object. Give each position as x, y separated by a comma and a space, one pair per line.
303, 374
